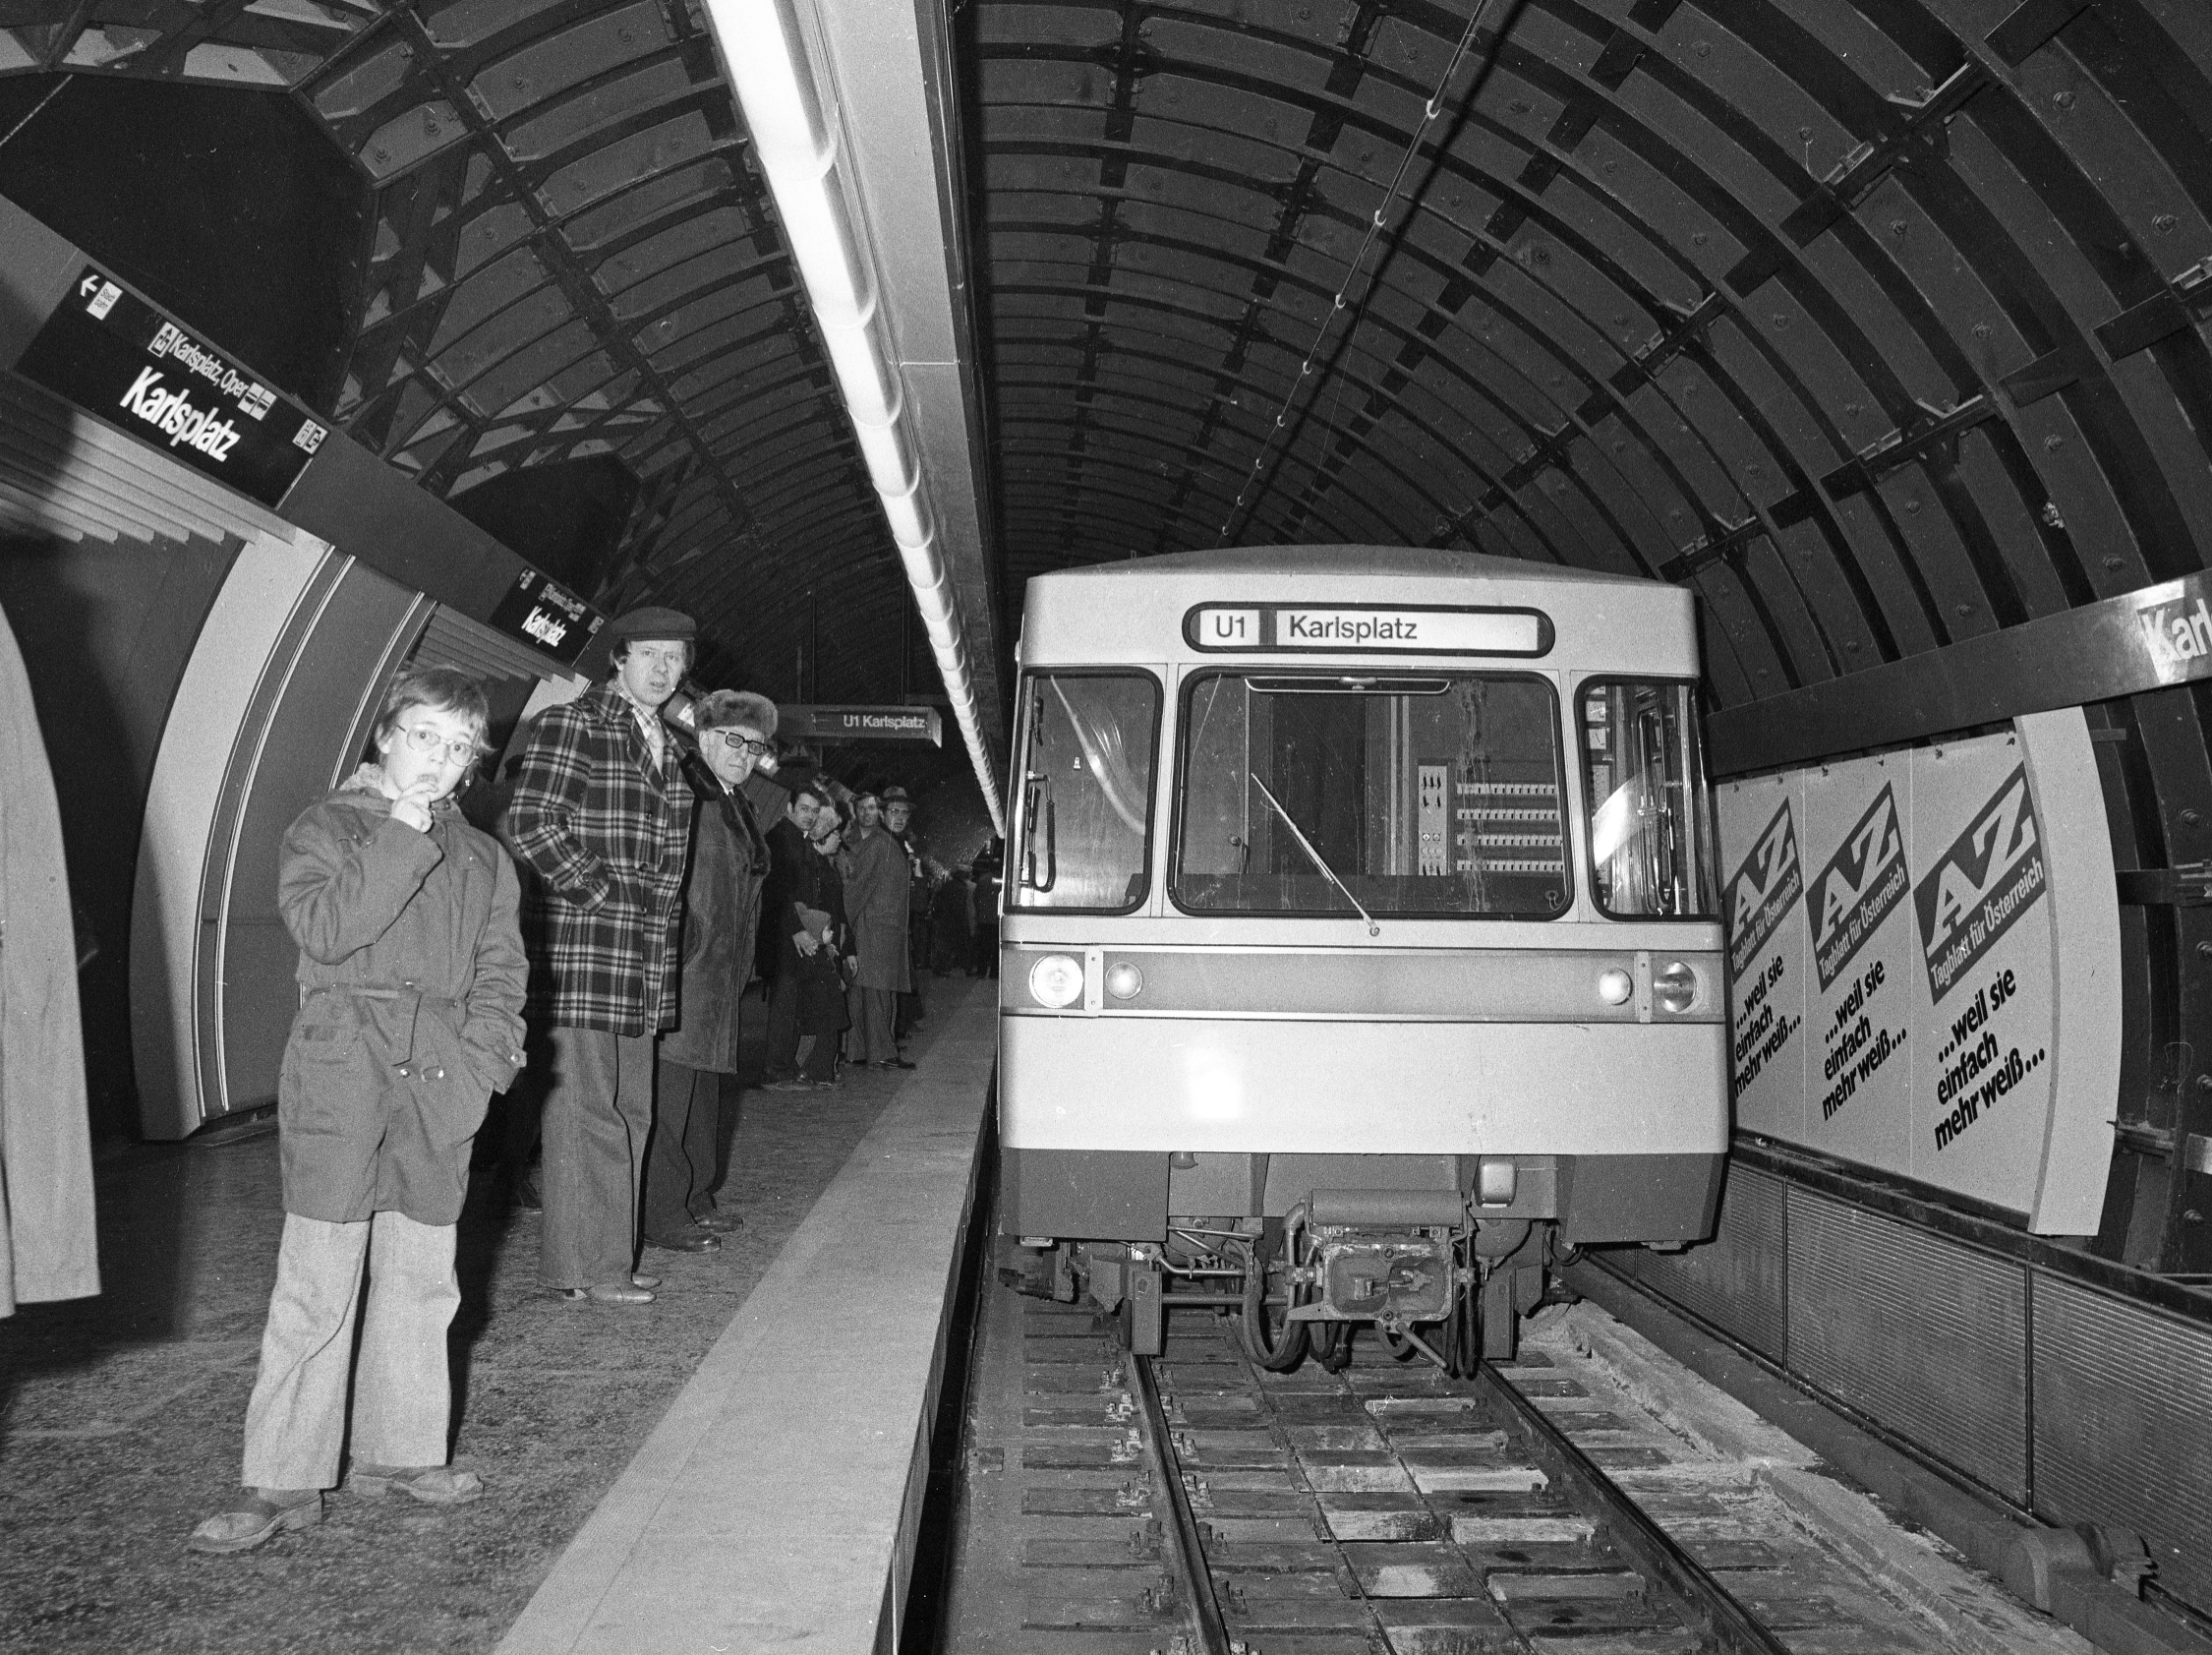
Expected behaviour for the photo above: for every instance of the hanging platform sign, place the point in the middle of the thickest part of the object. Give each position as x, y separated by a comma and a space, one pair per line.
844, 726
547, 616
109, 353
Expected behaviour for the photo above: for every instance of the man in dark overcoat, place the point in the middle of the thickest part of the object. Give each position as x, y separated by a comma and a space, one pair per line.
898, 822
601, 814
875, 897
790, 852
698, 1081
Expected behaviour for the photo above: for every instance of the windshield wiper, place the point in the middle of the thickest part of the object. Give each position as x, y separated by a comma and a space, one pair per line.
1306, 845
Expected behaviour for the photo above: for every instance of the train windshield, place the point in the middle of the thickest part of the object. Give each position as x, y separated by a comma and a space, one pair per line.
1650, 839
1087, 791
1431, 794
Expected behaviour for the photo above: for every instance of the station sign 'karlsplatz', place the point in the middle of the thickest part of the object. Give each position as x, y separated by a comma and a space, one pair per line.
109, 353
545, 615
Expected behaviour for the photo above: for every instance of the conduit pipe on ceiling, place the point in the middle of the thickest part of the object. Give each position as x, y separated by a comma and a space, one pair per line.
764, 53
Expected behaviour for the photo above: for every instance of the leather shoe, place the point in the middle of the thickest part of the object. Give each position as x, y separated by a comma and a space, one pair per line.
258, 1514
698, 1241
719, 1223
610, 1293
638, 1278
433, 1485
893, 1063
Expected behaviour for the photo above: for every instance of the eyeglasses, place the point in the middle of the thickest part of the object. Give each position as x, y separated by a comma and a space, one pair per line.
744, 743
423, 739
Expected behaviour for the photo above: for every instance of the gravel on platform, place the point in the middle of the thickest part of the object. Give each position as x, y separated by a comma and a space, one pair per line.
120, 1417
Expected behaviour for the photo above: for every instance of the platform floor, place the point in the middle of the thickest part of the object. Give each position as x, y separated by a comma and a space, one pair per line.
120, 1417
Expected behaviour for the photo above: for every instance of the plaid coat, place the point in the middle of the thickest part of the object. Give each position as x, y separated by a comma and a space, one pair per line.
604, 835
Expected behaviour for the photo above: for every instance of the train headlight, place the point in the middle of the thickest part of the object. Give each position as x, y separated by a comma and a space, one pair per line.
1056, 980
1614, 986
1675, 986
1124, 980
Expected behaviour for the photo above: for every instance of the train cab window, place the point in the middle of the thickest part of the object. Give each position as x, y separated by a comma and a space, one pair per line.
1087, 792
1407, 794
1651, 838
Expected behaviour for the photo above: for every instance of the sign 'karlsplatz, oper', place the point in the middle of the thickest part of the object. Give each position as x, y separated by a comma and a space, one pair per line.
118, 357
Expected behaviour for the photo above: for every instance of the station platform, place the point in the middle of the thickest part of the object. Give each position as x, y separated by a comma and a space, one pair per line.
741, 1463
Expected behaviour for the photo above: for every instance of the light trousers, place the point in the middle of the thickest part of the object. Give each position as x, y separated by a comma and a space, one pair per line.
599, 1113
402, 1392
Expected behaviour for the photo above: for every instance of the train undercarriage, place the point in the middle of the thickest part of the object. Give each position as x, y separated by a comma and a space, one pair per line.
1409, 1264
1439, 1255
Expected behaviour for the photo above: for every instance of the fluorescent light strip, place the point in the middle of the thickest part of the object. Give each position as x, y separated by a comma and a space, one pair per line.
764, 54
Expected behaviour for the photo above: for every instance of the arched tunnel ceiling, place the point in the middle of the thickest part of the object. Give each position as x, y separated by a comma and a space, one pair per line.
1872, 321
1875, 320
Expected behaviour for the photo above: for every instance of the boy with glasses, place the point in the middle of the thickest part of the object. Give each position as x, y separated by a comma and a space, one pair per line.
411, 984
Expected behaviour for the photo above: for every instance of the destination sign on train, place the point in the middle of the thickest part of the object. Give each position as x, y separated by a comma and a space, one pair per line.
1340, 627
114, 355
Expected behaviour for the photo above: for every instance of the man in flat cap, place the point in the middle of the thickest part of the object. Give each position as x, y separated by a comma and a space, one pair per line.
601, 815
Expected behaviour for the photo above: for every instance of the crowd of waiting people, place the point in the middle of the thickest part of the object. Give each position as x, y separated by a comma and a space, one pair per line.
588, 959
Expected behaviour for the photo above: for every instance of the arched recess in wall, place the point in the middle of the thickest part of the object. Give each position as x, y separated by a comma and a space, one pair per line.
276, 708
260, 726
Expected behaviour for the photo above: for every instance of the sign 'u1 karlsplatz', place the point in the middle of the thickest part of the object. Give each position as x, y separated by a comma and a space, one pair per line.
803, 722
107, 351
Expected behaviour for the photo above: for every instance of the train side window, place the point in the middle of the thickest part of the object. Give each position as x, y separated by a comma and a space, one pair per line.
1650, 814
1087, 792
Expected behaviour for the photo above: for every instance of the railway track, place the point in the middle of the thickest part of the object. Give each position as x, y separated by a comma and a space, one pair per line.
1194, 1506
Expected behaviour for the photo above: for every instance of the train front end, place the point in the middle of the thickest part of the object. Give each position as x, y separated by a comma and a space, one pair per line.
1360, 943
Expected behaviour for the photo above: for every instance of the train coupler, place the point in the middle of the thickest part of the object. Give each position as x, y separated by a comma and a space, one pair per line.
1395, 1277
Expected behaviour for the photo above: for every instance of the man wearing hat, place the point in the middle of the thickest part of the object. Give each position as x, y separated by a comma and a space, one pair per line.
601, 815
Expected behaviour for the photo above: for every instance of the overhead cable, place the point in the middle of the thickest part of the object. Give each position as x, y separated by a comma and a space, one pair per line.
1257, 479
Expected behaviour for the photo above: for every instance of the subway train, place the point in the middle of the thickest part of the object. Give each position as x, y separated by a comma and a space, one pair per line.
1360, 948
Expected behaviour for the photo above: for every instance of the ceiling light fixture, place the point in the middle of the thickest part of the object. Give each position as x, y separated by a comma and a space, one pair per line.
799, 141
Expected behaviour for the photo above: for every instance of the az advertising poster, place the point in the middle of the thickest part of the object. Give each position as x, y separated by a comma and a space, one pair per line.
1981, 1073
1762, 901
1890, 968
1858, 917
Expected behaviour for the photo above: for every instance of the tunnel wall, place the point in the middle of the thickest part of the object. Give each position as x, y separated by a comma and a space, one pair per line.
2063, 1394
